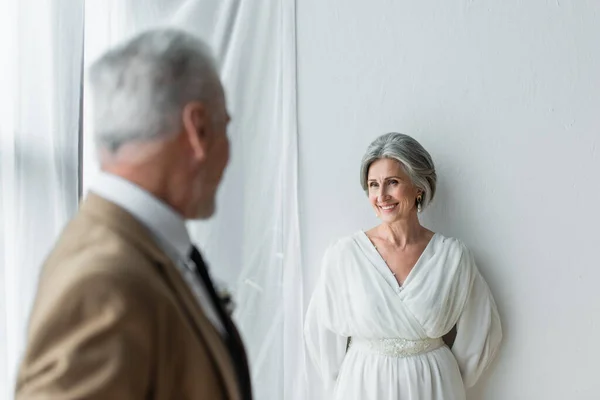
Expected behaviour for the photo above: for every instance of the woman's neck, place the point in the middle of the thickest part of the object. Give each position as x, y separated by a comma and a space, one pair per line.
402, 232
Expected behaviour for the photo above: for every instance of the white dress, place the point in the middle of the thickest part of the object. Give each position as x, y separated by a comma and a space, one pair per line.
397, 330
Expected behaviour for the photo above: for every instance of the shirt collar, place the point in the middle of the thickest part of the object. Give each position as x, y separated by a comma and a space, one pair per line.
164, 222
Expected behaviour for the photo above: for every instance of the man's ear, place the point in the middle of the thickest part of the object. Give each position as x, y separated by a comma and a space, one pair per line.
195, 121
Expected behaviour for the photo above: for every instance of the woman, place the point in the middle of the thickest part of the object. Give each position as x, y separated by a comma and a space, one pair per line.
386, 297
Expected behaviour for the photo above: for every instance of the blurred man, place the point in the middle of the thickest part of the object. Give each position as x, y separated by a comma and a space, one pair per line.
125, 307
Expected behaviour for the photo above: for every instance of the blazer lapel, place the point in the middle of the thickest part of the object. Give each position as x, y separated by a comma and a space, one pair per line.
126, 224
206, 331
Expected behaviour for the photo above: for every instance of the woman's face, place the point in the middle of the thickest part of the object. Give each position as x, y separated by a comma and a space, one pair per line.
391, 192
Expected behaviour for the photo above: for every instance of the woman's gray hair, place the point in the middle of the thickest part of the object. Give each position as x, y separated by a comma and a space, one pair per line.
413, 157
140, 87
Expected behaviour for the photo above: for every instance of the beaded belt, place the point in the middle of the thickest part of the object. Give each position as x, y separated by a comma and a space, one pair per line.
396, 347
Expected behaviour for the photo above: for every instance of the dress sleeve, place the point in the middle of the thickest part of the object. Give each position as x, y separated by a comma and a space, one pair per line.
325, 346
479, 330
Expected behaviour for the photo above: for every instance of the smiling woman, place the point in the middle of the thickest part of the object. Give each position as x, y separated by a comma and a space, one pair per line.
391, 190
413, 164
398, 176
395, 291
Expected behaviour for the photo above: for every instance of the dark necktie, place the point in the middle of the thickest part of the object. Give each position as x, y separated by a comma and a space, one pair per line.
233, 341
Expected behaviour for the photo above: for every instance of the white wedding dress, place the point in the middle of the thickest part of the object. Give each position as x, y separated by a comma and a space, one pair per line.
396, 351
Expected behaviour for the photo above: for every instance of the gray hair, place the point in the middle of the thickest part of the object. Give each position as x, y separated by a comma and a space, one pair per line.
413, 157
140, 87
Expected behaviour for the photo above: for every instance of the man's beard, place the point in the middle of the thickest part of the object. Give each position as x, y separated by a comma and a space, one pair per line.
206, 209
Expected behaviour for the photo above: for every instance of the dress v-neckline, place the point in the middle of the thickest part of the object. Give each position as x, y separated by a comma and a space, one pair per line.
383, 267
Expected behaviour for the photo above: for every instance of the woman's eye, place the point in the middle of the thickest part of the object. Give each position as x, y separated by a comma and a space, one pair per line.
373, 184
393, 182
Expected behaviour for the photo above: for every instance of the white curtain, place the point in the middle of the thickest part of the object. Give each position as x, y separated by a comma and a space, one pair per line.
253, 243
40, 86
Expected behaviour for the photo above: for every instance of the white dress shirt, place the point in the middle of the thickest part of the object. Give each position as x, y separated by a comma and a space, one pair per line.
166, 225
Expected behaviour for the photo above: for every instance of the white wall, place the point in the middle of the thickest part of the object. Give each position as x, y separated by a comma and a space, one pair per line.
506, 97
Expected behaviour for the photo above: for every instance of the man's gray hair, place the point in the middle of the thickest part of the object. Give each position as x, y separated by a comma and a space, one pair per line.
140, 87
413, 157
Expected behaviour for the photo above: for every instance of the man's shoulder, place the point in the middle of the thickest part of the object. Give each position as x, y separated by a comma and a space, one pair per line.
89, 247
94, 267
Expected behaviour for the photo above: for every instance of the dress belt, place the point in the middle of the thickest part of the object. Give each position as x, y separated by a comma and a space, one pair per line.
396, 347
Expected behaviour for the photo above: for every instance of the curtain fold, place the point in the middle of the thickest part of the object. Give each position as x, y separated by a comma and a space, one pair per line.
40, 98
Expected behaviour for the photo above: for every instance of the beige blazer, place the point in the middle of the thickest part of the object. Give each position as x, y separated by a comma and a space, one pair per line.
114, 319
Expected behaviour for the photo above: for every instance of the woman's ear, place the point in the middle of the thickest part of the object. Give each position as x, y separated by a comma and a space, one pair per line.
195, 121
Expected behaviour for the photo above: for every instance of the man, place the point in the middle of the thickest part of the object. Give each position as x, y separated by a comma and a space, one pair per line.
125, 308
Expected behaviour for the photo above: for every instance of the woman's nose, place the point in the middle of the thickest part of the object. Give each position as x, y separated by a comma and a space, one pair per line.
383, 196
